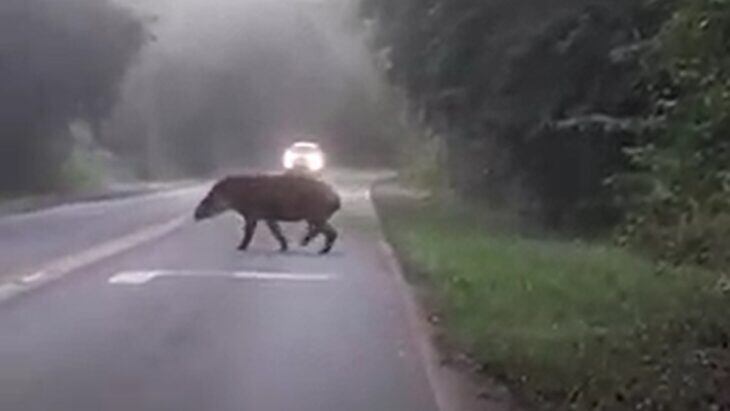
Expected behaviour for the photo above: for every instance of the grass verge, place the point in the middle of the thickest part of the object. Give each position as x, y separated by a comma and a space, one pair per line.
568, 325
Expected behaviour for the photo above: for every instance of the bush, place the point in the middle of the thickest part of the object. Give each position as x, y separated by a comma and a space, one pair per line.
82, 170
421, 164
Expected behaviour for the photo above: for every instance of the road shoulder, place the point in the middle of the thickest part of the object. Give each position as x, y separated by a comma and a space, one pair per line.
457, 383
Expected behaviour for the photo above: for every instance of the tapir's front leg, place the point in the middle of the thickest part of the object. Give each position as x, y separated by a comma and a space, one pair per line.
248, 231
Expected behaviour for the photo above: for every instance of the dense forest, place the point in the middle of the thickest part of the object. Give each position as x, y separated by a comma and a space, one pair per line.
583, 114
59, 62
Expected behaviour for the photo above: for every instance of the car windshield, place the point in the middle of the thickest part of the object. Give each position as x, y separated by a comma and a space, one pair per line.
304, 148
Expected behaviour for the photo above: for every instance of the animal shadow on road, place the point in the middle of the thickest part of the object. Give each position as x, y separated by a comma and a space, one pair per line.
291, 253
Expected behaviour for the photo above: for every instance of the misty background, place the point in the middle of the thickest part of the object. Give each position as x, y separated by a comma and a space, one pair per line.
231, 83
98, 89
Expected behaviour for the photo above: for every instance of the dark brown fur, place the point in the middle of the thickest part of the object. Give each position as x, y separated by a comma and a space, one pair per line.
275, 198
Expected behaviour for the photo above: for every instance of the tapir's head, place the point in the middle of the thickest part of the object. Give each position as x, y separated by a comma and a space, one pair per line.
213, 204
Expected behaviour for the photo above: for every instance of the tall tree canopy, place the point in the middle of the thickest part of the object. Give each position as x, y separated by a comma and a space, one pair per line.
594, 109
502, 82
60, 61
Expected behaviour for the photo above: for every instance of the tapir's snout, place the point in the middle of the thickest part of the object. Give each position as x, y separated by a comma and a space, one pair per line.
199, 215
202, 211
211, 206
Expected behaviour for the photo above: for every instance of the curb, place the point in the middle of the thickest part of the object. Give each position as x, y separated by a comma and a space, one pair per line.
453, 389
422, 331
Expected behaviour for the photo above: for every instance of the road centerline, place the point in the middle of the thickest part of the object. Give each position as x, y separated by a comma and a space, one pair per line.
142, 277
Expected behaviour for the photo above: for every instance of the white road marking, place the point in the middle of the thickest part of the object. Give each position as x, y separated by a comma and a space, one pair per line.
144, 277
106, 250
33, 278
63, 266
133, 278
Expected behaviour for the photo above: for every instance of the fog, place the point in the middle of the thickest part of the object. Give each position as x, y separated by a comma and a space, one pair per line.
228, 83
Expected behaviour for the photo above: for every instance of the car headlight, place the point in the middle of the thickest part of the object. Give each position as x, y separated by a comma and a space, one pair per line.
315, 161
289, 159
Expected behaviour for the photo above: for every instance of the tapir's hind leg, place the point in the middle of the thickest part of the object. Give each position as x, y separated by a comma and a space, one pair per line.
312, 232
330, 235
276, 231
316, 228
248, 231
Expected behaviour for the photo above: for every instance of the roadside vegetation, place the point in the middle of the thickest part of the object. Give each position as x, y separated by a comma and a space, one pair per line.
569, 325
82, 171
600, 128
586, 115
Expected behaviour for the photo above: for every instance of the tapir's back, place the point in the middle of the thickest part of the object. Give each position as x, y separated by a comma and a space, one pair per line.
280, 197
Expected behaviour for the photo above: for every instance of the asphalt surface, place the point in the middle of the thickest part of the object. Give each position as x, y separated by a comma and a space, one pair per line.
186, 322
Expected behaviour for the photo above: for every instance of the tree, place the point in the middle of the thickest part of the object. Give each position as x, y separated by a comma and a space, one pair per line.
682, 166
498, 80
59, 62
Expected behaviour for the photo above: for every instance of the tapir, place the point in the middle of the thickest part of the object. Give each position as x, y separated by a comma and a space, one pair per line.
275, 198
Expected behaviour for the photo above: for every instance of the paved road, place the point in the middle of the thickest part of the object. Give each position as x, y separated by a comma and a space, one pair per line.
185, 322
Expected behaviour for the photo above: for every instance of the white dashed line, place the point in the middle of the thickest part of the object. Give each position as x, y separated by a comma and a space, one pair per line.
34, 278
57, 269
144, 277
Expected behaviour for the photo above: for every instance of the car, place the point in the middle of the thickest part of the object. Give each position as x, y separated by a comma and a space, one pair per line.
304, 156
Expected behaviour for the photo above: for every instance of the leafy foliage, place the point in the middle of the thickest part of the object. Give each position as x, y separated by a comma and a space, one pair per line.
498, 80
560, 99
599, 111
683, 211
59, 62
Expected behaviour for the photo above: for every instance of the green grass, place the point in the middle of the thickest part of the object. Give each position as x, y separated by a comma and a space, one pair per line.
570, 325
